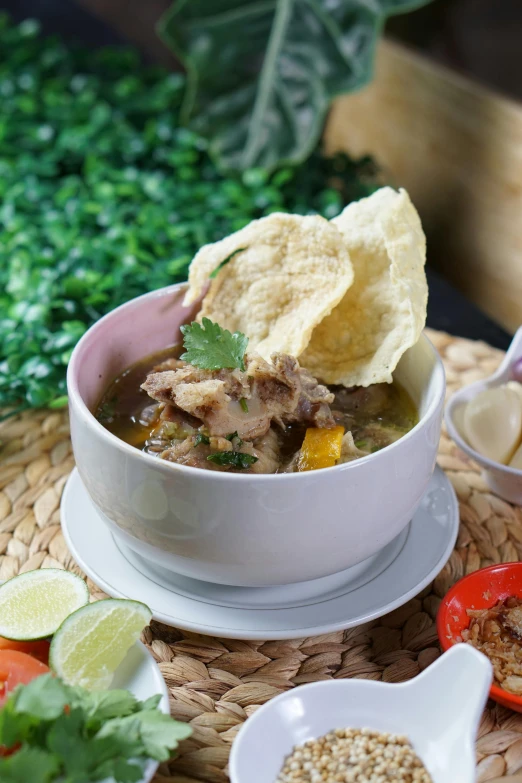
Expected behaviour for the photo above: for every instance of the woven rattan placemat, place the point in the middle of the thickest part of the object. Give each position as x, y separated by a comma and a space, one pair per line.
217, 683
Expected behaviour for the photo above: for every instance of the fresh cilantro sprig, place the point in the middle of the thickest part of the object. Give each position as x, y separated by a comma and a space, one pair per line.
73, 735
210, 347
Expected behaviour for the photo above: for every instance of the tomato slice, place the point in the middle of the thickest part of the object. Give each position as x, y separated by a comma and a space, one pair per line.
39, 650
17, 668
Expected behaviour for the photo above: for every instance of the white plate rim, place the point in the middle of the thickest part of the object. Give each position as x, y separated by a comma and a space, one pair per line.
119, 566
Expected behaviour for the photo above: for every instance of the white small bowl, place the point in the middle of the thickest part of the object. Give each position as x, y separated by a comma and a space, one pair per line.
503, 480
439, 711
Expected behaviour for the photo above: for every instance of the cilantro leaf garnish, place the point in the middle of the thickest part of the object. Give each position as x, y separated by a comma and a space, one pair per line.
67, 733
236, 459
201, 438
210, 347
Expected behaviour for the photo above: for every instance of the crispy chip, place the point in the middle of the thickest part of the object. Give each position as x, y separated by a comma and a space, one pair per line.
283, 275
384, 311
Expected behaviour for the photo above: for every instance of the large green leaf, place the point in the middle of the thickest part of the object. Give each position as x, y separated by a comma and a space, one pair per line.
262, 73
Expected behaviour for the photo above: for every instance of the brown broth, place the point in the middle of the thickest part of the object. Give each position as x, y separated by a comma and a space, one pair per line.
120, 408
376, 416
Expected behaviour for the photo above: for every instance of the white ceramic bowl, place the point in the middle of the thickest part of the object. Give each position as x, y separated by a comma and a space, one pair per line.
439, 711
238, 529
503, 480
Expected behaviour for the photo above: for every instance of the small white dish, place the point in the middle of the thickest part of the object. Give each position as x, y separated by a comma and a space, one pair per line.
139, 674
439, 711
367, 591
503, 480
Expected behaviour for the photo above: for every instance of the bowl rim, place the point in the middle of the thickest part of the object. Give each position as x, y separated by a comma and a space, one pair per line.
496, 692
455, 435
76, 401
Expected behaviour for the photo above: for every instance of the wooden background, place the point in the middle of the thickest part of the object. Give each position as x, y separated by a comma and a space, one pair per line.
457, 148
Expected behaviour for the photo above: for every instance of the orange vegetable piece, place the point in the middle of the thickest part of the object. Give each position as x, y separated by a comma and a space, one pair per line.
39, 650
17, 667
321, 448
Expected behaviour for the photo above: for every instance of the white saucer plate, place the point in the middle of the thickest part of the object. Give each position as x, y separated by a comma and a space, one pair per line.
365, 592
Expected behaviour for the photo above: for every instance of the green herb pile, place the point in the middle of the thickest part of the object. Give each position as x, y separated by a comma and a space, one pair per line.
72, 735
104, 196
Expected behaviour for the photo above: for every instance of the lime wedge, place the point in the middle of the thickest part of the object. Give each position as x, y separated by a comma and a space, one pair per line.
92, 642
33, 605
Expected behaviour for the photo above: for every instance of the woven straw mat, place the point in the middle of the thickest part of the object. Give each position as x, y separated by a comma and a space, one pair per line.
217, 683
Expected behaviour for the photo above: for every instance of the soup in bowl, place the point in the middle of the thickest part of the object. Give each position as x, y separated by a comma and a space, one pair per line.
232, 523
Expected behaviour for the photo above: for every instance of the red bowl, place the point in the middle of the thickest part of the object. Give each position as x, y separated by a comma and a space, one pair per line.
480, 590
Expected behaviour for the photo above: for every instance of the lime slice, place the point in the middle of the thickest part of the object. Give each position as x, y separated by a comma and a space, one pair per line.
91, 643
33, 605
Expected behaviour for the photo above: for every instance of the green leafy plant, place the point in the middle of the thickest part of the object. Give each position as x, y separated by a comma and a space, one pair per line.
105, 196
70, 734
261, 75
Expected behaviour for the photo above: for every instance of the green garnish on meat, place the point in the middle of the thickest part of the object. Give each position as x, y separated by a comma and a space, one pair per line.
70, 734
235, 459
210, 347
235, 435
201, 438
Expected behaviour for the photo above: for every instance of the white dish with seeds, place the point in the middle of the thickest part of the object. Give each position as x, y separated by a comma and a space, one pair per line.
438, 711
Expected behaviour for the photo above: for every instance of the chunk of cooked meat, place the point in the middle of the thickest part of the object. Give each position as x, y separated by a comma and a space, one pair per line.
231, 400
169, 364
185, 452
314, 402
172, 413
265, 449
371, 399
